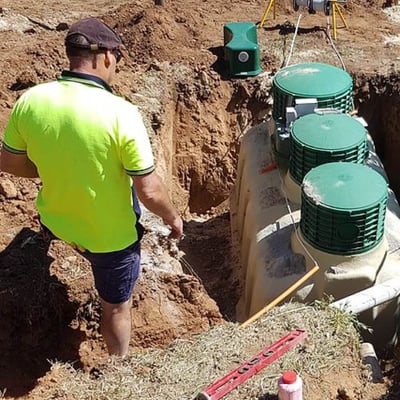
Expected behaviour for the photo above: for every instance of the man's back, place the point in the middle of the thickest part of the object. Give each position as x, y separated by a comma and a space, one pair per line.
84, 142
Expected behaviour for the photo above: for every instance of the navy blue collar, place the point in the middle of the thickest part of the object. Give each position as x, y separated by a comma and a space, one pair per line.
87, 79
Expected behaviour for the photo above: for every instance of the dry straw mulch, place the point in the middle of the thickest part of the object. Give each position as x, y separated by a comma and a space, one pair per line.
187, 366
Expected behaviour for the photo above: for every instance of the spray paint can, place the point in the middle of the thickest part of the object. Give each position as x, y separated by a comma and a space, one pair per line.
290, 386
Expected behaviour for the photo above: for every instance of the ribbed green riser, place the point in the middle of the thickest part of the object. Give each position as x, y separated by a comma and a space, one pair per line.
321, 229
302, 159
282, 101
330, 86
343, 208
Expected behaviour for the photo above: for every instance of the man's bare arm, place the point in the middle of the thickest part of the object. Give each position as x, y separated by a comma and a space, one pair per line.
17, 164
153, 194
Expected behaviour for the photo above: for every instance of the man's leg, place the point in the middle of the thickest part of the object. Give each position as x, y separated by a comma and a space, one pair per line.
115, 275
116, 327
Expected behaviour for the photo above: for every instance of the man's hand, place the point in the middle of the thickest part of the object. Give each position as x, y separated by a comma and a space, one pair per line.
153, 194
176, 228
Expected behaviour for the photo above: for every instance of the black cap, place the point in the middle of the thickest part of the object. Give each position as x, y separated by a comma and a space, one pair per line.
99, 35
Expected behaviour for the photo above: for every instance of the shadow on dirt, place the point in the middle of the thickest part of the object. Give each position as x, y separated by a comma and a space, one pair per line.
268, 397
34, 315
391, 373
289, 28
220, 66
207, 256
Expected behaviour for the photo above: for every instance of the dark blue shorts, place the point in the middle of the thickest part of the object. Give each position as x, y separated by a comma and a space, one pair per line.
115, 273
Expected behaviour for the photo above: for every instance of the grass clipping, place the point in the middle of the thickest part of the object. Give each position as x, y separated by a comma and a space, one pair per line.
187, 366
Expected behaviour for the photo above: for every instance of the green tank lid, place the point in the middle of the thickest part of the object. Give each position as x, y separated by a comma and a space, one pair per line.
343, 207
313, 80
330, 85
321, 138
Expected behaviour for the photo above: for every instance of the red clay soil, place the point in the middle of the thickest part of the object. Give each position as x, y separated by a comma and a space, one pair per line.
48, 308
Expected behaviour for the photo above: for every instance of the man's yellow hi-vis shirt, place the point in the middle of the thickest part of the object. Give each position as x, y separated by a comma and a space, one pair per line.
86, 143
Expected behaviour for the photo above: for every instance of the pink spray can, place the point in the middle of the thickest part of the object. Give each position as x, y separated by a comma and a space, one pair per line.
290, 386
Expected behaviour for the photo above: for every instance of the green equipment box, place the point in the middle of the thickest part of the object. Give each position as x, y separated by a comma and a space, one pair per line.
241, 50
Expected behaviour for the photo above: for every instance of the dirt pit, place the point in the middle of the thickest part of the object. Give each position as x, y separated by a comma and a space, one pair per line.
196, 115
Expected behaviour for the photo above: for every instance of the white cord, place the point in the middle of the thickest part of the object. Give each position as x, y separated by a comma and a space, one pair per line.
295, 227
294, 38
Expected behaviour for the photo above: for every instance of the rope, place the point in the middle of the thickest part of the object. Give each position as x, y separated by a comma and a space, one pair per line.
332, 43
327, 32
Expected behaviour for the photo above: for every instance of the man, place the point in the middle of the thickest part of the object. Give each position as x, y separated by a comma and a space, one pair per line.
85, 144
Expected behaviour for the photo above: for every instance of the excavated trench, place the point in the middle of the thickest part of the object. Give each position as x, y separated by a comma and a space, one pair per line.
209, 176
378, 101
198, 145
207, 123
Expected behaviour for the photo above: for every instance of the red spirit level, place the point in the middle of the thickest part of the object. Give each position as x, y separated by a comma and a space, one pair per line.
268, 355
